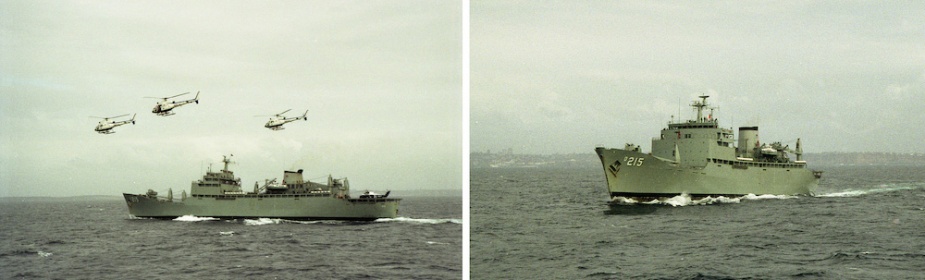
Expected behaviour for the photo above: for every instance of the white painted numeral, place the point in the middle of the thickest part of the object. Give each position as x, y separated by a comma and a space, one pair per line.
631, 161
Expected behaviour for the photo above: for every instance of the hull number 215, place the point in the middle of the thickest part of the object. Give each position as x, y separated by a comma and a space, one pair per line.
633, 161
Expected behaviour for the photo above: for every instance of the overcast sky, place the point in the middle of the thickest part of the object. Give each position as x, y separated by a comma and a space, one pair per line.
566, 76
381, 80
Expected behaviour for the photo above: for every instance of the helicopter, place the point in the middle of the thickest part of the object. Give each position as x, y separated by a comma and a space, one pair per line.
105, 126
164, 107
277, 121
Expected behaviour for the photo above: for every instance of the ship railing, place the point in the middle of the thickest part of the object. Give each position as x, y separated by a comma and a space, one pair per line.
376, 199
261, 195
757, 164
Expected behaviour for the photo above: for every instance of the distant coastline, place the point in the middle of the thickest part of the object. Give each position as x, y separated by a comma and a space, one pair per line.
507, 159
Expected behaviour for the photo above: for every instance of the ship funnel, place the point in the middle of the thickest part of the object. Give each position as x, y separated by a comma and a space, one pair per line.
748, 139
292, 177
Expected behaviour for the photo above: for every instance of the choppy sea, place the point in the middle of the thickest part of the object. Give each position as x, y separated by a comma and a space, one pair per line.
96, 238
866, 222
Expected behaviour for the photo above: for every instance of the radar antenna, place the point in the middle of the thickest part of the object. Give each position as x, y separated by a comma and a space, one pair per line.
226, 160
699, 105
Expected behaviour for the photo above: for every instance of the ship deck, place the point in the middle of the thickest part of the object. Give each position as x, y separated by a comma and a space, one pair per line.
272, 196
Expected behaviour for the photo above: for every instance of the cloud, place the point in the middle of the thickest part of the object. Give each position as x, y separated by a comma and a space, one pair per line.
381, 81
820, 71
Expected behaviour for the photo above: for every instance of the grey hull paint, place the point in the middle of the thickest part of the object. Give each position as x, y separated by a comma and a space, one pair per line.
700, 158
659, 177
220, 195
294, 207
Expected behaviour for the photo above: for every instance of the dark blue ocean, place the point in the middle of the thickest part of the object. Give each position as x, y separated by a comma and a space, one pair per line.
95, 238
866, 222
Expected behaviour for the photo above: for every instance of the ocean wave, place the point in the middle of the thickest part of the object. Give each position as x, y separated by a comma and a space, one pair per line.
262, 221
191, 218
420, 221
880, 189
685, 199
273, 221
19, 252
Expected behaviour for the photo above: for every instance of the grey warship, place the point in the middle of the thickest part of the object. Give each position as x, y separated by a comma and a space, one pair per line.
699, 158
219, 195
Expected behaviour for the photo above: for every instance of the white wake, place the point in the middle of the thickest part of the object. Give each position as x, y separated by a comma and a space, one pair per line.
879, 189
191, 218
419, 221
271, 221
685, 199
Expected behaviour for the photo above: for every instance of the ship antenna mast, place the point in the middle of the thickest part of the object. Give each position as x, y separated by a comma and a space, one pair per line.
700, 105
226, 160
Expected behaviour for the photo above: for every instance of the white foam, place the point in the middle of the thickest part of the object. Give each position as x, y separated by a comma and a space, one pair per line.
44, 254
420, 221
226, 233
269, 221
437, 243
679, 200
262, 221
191, 218
685, 199
752, 196
879, 189
850, 193
624, 200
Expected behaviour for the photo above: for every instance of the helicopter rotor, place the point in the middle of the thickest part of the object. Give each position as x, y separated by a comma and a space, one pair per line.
165, 98
119, 116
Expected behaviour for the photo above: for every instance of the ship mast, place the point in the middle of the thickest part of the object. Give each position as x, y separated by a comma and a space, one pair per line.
700, 105
226, 160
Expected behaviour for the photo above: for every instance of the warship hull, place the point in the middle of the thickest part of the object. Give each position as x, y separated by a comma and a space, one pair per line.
287, 206
639, 175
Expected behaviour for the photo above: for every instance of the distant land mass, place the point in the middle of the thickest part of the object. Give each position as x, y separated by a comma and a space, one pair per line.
507, 159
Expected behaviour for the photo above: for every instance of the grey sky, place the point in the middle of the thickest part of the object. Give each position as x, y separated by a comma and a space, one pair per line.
381, 80
565, 76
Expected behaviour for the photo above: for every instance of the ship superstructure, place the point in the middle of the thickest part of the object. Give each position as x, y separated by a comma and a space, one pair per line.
220, 195
700, 158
